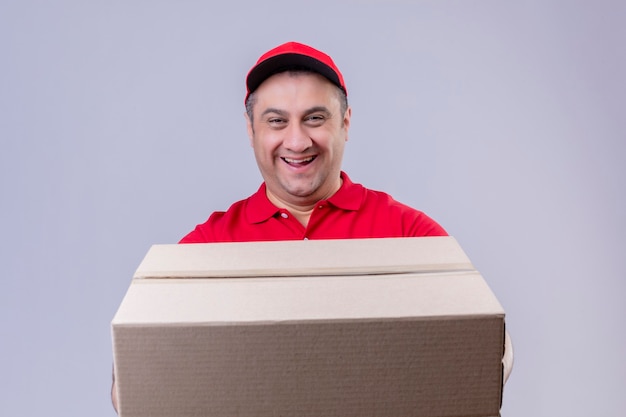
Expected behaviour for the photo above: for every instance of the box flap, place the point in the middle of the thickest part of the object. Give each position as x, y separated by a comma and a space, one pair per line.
306, 257
259, 300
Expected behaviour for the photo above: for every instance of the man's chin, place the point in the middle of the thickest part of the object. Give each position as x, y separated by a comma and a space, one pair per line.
299, 186
300, 191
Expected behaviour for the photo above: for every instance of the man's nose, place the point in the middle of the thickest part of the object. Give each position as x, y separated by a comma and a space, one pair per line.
297, 139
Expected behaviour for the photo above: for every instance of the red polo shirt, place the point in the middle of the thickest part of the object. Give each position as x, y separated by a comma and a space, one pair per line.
352, 212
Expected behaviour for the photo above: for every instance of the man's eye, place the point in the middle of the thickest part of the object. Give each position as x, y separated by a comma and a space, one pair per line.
275, 121
315, 119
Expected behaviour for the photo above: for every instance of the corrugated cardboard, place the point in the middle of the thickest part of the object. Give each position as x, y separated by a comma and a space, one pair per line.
372, 327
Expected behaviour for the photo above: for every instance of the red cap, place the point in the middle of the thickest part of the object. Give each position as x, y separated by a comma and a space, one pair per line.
293, 55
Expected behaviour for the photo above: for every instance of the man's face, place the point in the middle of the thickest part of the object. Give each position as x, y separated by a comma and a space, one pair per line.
298, 135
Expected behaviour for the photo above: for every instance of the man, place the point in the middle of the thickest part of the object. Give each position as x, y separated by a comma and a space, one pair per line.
298, 120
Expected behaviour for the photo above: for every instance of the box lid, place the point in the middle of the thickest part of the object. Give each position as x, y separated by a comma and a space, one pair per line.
306, 257
305, 299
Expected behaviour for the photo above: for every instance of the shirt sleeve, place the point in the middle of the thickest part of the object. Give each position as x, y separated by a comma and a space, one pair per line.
426, 226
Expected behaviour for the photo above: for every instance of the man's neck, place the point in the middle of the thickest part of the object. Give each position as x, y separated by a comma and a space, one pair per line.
301, 210
303, 216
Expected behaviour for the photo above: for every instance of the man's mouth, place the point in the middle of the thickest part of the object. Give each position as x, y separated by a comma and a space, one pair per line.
298, 161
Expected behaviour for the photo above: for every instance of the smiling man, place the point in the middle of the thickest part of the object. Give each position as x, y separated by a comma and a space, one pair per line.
298, 120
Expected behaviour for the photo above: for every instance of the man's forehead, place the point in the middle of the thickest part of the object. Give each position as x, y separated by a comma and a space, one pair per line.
284, 90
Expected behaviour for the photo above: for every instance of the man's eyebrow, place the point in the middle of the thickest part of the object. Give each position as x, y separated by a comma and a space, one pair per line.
316, 109
274, 110
284, 113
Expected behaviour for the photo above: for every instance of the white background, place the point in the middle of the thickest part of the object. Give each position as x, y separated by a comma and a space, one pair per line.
121, 126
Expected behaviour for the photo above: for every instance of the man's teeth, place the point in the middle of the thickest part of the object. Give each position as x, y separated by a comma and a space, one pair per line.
298, 161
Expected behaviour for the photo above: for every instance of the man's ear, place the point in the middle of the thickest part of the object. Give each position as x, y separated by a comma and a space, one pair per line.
249, 127
346, 120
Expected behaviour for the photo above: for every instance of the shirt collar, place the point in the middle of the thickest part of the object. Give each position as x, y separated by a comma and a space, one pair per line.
259, 208
349, 197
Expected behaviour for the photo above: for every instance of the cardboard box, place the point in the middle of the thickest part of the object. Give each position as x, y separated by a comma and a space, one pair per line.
361, 327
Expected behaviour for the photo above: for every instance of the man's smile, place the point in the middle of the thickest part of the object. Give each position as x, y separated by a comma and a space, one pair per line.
298, 161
